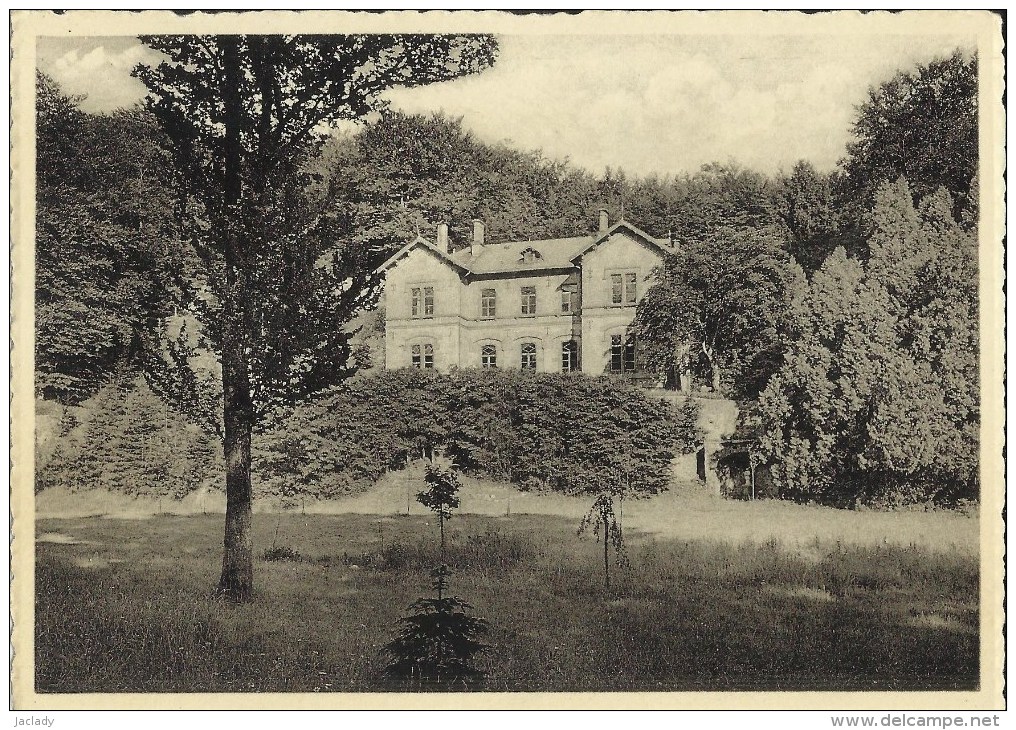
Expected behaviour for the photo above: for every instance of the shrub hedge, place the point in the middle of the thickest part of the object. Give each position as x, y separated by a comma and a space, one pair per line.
569, 433
543, 431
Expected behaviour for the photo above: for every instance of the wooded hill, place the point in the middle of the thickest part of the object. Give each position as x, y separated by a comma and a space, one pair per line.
839, 308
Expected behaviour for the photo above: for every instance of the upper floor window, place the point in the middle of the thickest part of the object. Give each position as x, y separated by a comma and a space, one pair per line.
488, 356
423, 301
569, 356
623, 288
569, 301
423, 356
529, 356
488, 303
529, 300
622, 354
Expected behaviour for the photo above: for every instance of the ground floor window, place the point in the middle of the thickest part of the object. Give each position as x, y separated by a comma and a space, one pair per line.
622, 354
488, 356
423, 356
569, 356
529, 356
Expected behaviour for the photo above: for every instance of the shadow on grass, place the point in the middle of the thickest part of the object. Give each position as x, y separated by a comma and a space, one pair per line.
687, 615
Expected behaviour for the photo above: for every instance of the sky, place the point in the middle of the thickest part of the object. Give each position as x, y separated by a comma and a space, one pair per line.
648, 104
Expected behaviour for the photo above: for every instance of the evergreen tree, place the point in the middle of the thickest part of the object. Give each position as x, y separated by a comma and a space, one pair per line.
129, 441
877, 400
439, 640
811, 213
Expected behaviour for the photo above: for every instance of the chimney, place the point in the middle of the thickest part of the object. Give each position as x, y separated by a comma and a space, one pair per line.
604, 221
442, 237
478, 230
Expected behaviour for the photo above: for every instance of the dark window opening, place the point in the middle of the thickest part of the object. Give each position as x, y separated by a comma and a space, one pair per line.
488, 356
488, 303
569, 356
529, 300
423, 356
622, 355
529, 356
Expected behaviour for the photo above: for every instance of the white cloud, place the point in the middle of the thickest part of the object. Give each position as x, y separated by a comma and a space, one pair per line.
98, 69
671, 104
648, 104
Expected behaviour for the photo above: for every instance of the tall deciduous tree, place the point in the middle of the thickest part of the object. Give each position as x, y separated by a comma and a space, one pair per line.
403, 174
243, 112
107, 245
718, 308
921, 125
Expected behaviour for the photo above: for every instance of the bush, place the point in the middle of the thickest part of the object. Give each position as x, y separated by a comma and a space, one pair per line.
438, 641
539, 431
548, 431
280, 553
125, 439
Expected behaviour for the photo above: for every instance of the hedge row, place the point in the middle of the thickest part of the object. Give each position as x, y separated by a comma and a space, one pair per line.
563, 432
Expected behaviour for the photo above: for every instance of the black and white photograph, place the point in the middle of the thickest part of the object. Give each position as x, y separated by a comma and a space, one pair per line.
507, 359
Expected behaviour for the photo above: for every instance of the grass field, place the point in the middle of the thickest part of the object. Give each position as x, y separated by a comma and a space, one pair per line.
126, 605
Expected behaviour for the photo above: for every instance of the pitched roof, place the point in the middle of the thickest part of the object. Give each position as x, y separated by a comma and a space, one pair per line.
552, 253
422, 242
659, 244
498, 258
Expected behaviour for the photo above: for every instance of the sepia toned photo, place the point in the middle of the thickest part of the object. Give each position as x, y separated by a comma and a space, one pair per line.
505, 359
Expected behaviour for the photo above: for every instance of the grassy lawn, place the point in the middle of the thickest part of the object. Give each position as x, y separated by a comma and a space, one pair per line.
126, 605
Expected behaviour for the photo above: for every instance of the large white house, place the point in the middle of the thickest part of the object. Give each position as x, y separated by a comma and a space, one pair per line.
554, 305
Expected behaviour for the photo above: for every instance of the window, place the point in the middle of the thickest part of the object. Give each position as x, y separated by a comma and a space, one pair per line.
529, 356
616, 351
623, 288
423, 301
423, 356
628, 358
488, 303
630, 280
569, 356
488, 356
569, 301
622, 355
529, 300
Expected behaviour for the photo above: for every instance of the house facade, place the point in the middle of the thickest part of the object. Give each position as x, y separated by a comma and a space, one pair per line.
558, 305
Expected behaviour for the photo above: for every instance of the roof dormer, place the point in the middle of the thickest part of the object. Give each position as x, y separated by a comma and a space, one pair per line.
530, 256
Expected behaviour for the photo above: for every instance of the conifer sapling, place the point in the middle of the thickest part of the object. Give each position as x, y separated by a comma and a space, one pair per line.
439, 640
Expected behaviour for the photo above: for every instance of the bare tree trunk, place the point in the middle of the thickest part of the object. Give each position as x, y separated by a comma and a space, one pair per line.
714, 368
606, 549
237, 580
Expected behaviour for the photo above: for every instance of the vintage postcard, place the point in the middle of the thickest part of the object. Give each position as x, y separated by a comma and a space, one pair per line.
501, 360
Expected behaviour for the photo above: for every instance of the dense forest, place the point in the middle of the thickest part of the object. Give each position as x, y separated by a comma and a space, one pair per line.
839, 308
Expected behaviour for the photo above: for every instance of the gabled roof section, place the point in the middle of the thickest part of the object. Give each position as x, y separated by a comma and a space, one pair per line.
502, 258
421, 242
623, 226
510, 258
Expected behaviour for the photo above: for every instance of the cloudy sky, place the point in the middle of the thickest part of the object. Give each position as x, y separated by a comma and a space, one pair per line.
648, 104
